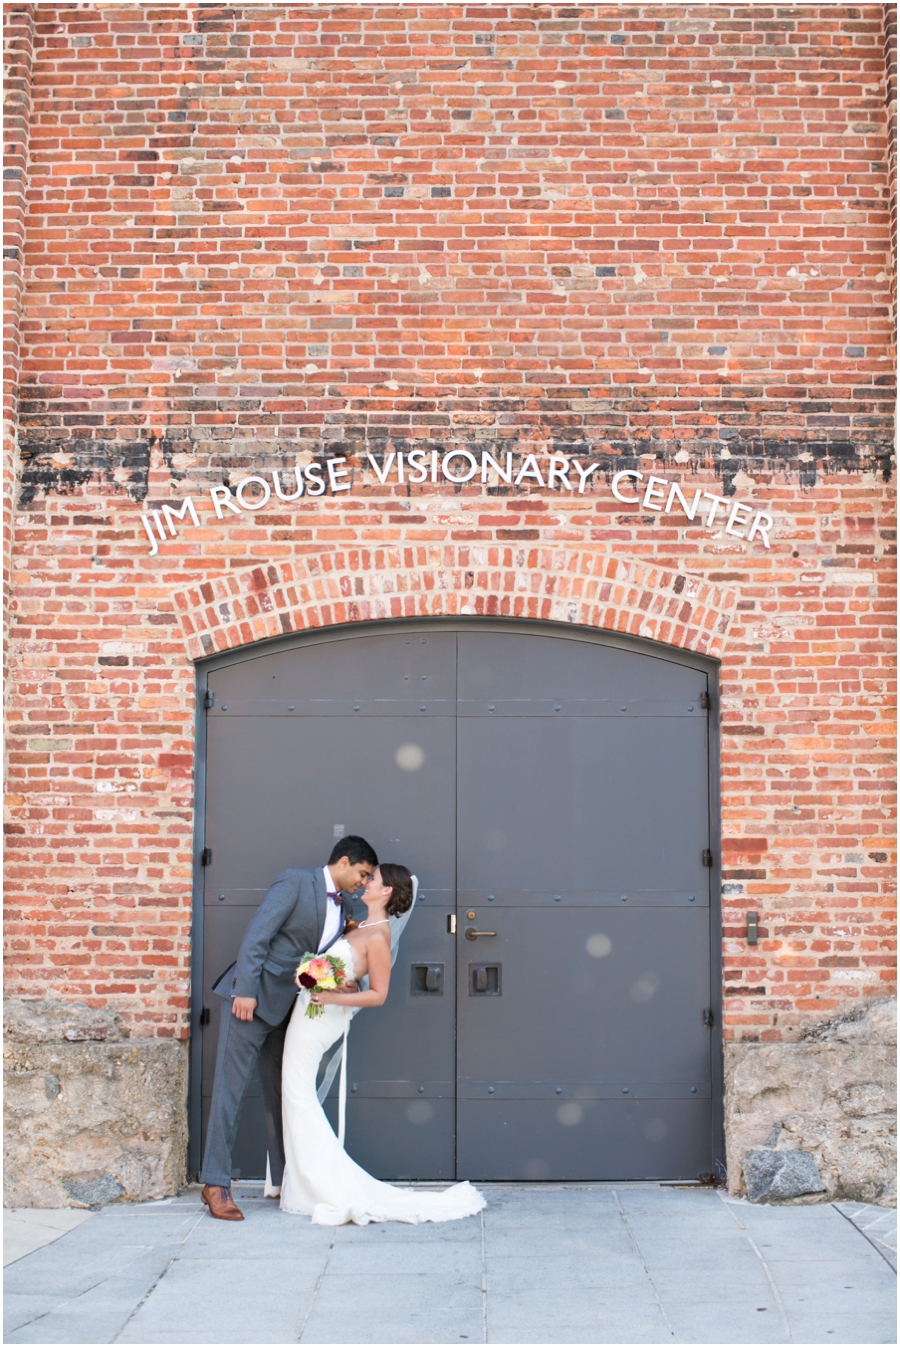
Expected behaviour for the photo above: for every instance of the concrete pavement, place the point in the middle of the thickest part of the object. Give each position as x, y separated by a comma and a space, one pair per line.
543, 1264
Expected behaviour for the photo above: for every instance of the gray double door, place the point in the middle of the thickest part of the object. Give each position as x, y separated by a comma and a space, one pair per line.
550, 1012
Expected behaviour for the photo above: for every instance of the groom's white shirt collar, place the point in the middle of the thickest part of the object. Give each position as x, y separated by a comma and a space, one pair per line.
334, 912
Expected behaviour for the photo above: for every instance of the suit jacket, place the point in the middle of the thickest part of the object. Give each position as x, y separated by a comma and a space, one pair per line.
287, 924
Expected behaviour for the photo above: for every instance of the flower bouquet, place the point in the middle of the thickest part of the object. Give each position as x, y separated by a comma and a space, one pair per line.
320, 973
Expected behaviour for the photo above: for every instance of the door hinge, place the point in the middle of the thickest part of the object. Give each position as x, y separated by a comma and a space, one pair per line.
209, 699
709, 1018
451, 923
204, 1016
206, 856
705, 702
707, 856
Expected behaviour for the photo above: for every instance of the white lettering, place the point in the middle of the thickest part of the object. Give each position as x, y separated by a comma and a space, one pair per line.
434, 465
418, 461
488, 461
225, 492
276, 482
530, 469
733, 519
170, 514
583, 473
154, 545
400, 477
334, 472
716, 502
313, 475
761, 528
253, 504
690, 510
157, 519
459, 453
559, 468
656, 486
380, 473
627, 500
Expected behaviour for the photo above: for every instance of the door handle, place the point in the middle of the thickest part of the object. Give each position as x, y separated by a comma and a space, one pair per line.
472, 934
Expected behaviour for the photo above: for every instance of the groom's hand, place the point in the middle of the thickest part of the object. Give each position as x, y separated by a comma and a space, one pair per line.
243, 1007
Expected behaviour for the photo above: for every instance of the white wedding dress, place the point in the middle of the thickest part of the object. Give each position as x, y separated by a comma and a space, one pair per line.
320, 1180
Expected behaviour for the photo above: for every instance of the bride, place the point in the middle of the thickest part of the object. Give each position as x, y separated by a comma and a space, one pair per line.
320, 1179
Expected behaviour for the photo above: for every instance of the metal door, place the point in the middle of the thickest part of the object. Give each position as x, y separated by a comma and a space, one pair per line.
583, 963
556, 787
305, 745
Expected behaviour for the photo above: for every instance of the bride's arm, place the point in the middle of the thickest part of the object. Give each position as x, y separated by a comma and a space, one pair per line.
379, 956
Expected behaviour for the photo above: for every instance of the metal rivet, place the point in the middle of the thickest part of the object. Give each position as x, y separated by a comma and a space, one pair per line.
224, 708
557, 708
290, 708
624, 1089
490, 708
421, 1089
691, 898
354, 1088
559, 1089
421, 708
690, 708
221, 897
490, 1089
623, 708
693, 1089
356, 708
557, 898
624, 897
490, 897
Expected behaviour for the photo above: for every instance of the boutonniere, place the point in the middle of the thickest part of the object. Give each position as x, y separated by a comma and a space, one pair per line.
349, 925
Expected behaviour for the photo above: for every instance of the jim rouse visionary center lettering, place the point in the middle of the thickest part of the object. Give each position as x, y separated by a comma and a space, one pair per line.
422, 465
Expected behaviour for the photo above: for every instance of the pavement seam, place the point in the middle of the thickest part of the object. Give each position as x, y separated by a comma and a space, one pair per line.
769, 1278
70, 1300
318, 1286
637, 1248
484, 1322
866, 1236
144, 1298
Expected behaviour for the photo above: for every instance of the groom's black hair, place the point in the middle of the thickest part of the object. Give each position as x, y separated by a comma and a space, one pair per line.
356, 849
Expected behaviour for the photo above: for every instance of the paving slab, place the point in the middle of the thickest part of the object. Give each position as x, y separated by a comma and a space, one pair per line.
878, 1224
25, 1230
543, 1263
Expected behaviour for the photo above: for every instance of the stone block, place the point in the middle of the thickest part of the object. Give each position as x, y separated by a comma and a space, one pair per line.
775, 1176
831, 1095
93, 1116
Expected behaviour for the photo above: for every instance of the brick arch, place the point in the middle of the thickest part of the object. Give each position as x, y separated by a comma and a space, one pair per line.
585, 587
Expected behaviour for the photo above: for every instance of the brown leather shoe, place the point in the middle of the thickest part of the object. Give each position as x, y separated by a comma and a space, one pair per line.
221, 1204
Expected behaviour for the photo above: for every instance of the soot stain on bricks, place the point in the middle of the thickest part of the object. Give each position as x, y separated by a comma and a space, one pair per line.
63, 467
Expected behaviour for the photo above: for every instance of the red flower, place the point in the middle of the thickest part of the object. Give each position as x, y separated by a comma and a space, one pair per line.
307, 982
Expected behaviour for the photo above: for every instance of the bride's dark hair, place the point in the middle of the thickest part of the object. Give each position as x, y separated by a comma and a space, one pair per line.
398, 878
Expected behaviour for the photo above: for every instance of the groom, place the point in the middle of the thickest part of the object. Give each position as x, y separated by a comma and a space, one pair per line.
301, 913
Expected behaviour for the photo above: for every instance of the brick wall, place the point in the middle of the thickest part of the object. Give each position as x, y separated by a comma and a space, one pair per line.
651, 238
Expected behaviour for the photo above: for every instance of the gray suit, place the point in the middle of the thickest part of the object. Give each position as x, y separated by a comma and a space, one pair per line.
287, 924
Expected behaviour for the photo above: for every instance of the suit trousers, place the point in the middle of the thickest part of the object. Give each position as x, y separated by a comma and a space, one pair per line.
244, 1045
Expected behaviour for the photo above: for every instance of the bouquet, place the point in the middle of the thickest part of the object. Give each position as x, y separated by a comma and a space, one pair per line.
320, 973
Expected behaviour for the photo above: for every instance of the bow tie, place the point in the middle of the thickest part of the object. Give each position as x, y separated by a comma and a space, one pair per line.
337, 898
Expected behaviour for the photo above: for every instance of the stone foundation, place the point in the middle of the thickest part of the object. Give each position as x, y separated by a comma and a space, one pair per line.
832, 1095
91, 1115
